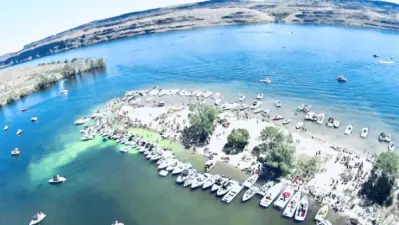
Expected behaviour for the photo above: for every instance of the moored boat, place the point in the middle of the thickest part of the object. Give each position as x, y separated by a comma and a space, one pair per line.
259, 110
243, 107
302, 210
241, 97
163, 173
311, 116
210, 181
293, 204
284, 198
270, 195
249, 193
263, 190
286, 121
199, 181
278, 104
255, 104
320, 118
191, 179
384, 137
391, 146
348, 130
278, 117
330, 122
259, 96
336, 123
299, 125
365, 132
266, 113
184, 175
226, 188
232, 193
37, 218
250, 181
219, 183
322, 213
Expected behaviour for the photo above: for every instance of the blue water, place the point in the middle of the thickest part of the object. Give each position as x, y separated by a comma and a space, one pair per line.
103, 186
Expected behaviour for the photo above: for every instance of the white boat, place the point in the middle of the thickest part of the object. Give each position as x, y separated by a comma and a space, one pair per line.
341, 79
307, 108
209, 165
37, 218
34, 119
172, 165
210, 180
57, 179
207, 94
124, 149
336, 123
311, 116
278, 117
320, 118
259, 96
250, 193
181, 167
19, 132
267, 80
191, 179
266, 113
232, 193
263, 190
286, 121
270, 195
87, 138
284, 198
117, 223
82, 121
226, 188
64, 92
5, 128
330, 122
250, 181
278, 104
299, 125
259, 110
322, 213
391, 146
163, 173
243, 107
241, 98
200, 180
385, 137
219, 183
166, 163
300, 107
365, 132
302, 210
184, 175
217, 101
255, 104
289, 211
348, 130
323, 222
15, 152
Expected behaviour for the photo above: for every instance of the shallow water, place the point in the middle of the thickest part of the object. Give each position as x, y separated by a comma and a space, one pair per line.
104, 185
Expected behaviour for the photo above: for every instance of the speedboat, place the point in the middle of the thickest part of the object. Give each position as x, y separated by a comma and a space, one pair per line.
385, 137
37, 218
64, 92
330, 122
278, 117
15, 152
163, 173
259, 110
19, 132
289, 211
365, 132
302, 210
117, 223
284, 198
243, 107
181, 167
124, 149
191, 179
208, 182
5, 128
57, 179
299, 125
263, 190
217, 101
307, 108
266, 80
270, 195
34, 119
226, 188
278, 104
184, 175
300, 107
286, 121
322, 213
166, 163
219, 183
311, 116
249, 193
255, 104
209, 165
250, 181
232, 193
348, 130
259, 96
336, 123
320, 118
172, 165
391, 146
200, 180
341, 79
241, 98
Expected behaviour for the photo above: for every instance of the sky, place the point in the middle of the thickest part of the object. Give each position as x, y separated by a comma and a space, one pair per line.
25, 21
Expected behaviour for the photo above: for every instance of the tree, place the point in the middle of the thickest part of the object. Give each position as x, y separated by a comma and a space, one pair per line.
307, 167
238, 138
379, 186
268, 133
281, 158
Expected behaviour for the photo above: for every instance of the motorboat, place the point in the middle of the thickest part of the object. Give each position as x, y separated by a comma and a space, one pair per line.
255, 104
34, 119
307, 108
320, 118
167, 162
172, 165
391, 146
124, 149
384, 137
217, 101
191, 179
232, 193
5, 128
243, 107
57, 179
209, 165
348, 130
200, 180
82, 121
87, 138
241, 98
266, 113
226, 188
278, 104
336, 123
322, 213
375, 55
284, 198
64, 92
270, 195
330, 122
302, 209
250, 193
278, 117
184, 175
342, 79
365, 132
300, 107
250, 181
219, 183
289, 211
37, 218
210, 180
299, 125
263, 190
19, 132
259, 110
181, 167
259, 96
286, 121
311, 116
15, 152
117, 223
24, 109
163, 173
230, 106
267, 80
324, 222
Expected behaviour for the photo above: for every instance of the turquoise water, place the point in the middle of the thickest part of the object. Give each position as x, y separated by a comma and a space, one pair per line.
104, 185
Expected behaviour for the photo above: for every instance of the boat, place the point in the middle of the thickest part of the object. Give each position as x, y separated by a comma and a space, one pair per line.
210, 180
323, 222
82, 121
384, 137
348, 130
207, 94
284, 198
322, 213
34, 119
299, 125
209, 165
375, 55
266, 80
270, 195
172, 165
300, 107
320, 118
124, 149
184, 175
217, 101
342, 79
278, 104
365, 132
24, 109
311, 116
15, 152
259, 110
391, 146
278, 117
5, 128
226, 188
181, 167
117, 223
307, 108
163, 173
191, 179
286, 121
255, 104
266, 113
330, 122
200, 180
57, 179
336, 123
243, 107
250, 181
166, 163
219, 183
19, 132
64, 92
293, 204
249, 193
241, 98
37, 218
263, 190
232, 193
259, 96
302, 209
